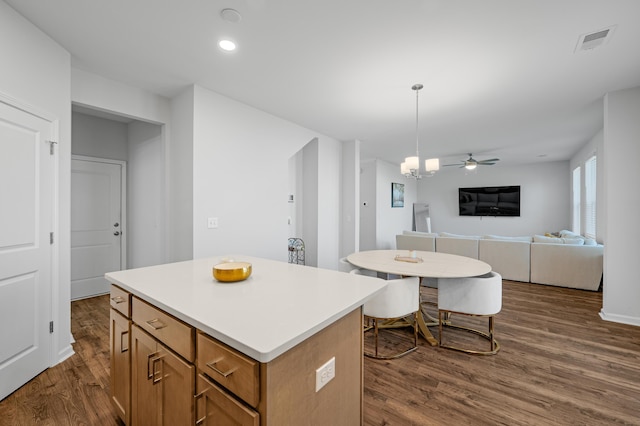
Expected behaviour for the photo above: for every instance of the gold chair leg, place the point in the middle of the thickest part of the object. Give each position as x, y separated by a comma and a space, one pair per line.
494, 345
376, 328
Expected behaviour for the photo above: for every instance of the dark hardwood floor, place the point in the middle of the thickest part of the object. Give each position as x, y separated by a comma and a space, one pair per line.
560, 364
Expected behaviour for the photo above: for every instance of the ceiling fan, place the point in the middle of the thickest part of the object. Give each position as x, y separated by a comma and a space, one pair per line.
471, 163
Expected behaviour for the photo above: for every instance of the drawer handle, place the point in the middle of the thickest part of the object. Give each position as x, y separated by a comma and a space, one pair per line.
151, 359
157, 375
156, 324
123, 349
118, 299
225, 374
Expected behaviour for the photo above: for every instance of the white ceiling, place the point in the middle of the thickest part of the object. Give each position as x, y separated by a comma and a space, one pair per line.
501, 77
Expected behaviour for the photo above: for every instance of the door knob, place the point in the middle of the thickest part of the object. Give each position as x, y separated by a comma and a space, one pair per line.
116, 224
116, 233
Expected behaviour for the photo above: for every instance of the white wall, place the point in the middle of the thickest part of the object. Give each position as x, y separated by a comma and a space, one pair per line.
36, 71
594, 146
145, 195
179, 173
367, 208
544, 199
240, 175
621, 292
392, 220
98, 137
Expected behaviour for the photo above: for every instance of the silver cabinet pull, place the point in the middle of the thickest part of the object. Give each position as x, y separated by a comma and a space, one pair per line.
122, 348
225, 374
118, 299
156, 324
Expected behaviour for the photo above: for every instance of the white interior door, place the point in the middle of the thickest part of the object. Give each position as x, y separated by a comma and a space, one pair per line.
26, 219
96, 225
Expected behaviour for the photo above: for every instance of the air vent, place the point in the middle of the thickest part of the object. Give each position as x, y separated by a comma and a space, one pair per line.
592, 40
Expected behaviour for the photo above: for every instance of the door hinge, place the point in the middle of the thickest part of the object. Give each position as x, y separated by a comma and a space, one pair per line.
50, 237
51, 144
50, 326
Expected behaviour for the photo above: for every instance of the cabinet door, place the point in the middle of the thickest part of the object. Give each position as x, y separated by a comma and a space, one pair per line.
215, 407
177, 379
145, 379
120, 365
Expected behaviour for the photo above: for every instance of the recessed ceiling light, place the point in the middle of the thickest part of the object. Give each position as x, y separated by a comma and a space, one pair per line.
227, 45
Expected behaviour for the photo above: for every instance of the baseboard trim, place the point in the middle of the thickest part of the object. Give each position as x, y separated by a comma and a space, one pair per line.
623, 319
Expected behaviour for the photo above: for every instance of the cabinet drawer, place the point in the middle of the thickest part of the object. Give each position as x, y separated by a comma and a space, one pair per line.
120, 300
169, 330
233, 370
214, 406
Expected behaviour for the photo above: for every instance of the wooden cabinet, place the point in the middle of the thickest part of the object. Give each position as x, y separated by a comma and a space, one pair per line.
120, 328
162, 383
165, 372
215, 406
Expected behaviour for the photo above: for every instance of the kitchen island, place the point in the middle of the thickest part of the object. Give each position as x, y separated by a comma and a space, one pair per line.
238, 353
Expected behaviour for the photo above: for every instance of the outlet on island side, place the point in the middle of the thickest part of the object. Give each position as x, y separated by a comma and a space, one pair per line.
325, 373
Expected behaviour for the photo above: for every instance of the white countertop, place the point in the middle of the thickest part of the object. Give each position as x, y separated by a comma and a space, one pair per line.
277, 307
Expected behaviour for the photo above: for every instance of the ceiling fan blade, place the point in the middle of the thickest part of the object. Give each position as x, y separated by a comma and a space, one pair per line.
447, 165
490, 160
485, 164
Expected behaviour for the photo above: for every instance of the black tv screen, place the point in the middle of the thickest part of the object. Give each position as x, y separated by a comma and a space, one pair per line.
489, 201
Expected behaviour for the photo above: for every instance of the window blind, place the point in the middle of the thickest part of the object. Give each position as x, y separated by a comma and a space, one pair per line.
590, 197
575, 207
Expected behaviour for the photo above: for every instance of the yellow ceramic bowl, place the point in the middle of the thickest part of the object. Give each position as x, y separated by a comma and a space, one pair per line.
232, 271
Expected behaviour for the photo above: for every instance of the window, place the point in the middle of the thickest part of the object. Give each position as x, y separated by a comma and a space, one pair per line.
590, 197
576, 183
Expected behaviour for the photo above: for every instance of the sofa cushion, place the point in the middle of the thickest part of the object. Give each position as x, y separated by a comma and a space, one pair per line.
419, 233
553, 240
573, 241
449, 235
503, 238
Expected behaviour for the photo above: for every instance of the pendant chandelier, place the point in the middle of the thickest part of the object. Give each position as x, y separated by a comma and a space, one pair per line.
411, 166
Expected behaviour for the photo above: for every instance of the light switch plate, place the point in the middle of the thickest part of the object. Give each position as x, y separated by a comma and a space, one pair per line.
212, 222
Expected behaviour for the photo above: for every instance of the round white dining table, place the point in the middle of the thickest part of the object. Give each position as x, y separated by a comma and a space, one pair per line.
424, 264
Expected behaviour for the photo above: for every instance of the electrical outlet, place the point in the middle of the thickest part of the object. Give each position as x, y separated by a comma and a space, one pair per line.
212, 222
325, 373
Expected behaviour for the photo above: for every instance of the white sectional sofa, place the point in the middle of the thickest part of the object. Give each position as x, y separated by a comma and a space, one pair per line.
563, 262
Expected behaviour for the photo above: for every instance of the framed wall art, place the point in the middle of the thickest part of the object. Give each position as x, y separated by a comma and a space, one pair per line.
397, 194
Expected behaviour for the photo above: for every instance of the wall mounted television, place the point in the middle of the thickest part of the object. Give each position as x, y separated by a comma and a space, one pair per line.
489, 201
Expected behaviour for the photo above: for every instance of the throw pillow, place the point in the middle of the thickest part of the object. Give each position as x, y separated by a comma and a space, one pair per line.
547, 240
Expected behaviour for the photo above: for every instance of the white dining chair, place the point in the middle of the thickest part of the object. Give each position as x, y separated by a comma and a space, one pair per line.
398, 301
475, 296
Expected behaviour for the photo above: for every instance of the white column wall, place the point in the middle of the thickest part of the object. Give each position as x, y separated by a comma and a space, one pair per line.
36, 71
329, 203
621, 292
350, 217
